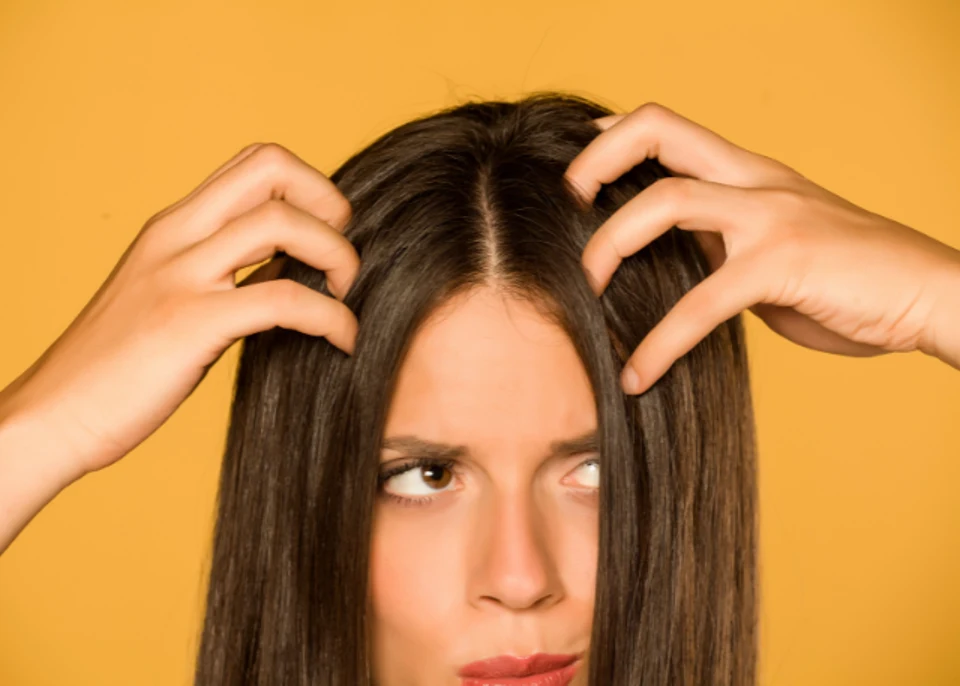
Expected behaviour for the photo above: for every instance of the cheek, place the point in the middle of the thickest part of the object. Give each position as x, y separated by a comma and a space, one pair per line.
416, 577
580, 544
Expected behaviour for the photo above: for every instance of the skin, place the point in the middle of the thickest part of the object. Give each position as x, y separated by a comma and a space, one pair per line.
502, 559
815, 268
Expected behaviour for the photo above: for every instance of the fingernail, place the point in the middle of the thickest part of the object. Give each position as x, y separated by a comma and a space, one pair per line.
630, 381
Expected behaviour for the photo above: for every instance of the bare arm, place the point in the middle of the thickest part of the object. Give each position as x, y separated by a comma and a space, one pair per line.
166, 313
944, 338
34, 467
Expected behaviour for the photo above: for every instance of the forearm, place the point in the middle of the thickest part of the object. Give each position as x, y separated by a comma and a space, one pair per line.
33, 470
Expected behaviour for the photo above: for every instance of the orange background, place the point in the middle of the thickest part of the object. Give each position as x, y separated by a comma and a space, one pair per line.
111, 111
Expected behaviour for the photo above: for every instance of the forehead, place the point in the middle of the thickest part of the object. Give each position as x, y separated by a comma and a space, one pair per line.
490, 372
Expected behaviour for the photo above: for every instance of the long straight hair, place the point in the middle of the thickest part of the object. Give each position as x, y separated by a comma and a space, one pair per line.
472, 196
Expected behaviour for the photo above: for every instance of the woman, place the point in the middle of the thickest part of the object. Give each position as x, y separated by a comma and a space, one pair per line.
418, 501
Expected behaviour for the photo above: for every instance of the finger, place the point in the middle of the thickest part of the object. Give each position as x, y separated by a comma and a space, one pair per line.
269, 172
731, 289
279, 302
688, 204
229, 164
608, 121
258, 234
682, 145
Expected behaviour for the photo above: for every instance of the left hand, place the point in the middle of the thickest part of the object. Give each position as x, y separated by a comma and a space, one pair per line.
817, 269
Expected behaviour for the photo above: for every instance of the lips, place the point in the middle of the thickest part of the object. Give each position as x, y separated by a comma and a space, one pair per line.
511, 669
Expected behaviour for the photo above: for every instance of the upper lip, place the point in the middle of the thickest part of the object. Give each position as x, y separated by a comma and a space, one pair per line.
512, 666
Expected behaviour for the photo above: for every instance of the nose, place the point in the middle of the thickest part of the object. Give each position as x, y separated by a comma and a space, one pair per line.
515, 563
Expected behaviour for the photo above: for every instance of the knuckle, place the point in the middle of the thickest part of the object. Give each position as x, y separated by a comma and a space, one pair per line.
778, 169
286, 295
344, 252
344, 210
275, 211
271, 155
152, 246
155, 218
157, 226
160, 237
151, 238
652, 112
673, 190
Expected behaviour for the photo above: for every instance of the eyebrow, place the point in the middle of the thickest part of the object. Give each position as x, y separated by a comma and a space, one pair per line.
420, 447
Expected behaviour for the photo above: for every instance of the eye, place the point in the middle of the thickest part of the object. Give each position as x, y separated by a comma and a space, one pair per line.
422, 477
589, 472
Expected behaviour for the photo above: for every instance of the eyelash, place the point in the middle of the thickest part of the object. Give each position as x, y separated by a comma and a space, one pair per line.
406, 467
426, 462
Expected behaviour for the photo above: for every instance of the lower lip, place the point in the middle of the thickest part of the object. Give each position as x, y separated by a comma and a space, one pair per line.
558, 677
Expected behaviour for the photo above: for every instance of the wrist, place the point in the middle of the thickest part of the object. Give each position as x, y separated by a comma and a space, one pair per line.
34, 468
942, 336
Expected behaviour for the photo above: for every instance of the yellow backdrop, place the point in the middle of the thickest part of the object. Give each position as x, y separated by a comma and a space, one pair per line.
111, 111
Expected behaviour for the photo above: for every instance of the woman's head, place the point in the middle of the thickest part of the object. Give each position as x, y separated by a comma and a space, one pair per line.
478, 330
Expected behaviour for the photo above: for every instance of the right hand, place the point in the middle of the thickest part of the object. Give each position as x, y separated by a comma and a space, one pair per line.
171, 305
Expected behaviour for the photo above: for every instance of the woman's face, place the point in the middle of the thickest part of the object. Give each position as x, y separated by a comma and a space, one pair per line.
497, 553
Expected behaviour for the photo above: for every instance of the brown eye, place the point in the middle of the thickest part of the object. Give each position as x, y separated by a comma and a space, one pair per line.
436, 475
422, 477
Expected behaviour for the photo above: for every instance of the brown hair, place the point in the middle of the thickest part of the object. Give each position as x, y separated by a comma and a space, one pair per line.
468, 196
